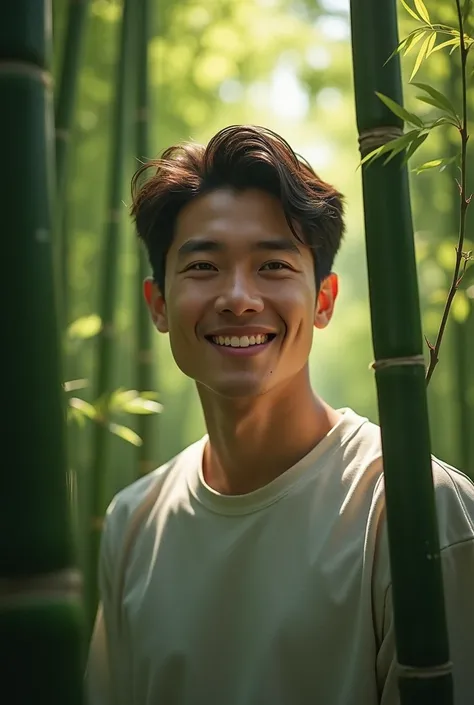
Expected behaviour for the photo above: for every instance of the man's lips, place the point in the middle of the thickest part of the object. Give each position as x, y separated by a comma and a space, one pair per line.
241, 340
230, 332
249, 350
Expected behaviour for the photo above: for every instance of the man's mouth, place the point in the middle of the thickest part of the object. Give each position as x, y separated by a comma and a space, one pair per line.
243, 341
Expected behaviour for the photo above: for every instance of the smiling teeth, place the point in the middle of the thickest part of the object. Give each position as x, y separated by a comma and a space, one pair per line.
243, 342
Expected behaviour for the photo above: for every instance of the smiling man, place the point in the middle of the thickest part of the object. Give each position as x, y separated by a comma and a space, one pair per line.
252, 569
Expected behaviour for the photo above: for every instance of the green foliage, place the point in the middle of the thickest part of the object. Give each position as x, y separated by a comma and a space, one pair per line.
449, 116
121, 401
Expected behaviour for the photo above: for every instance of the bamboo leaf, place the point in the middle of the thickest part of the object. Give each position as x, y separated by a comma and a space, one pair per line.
409, 10
406, 43
413, 147
420, 57
431, 101
428, 165
129, 401
142, 406
120, 397
371, 156
443, 101
400, 111
415, 137
444, 120
74, 384
83, 407
449, 42
434, 164
422, 11
126, 433
431, 44
397, 145
154, 396
416, 38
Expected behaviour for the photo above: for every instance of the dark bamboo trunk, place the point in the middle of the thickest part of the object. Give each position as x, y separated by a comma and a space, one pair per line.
65, 100
418, 601
146, 423
68, 84
109, 281
41, 640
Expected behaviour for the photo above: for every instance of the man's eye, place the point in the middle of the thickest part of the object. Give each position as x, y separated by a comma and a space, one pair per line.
201, 267
275, 266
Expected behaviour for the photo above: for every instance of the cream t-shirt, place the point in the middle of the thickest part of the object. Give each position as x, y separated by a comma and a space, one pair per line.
277, 597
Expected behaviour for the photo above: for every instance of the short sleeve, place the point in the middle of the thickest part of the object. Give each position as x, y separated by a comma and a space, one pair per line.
98, 684
458, 577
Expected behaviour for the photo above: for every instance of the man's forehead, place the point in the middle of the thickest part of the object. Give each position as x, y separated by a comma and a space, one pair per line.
276, 243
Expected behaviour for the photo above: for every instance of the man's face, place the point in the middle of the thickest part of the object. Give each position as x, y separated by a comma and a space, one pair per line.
240, 300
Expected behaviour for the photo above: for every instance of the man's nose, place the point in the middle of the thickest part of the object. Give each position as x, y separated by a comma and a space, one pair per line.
240, 295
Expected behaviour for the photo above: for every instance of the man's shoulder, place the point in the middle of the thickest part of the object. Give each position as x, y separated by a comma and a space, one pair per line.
454, 492
139, 497
453, 489
454, 501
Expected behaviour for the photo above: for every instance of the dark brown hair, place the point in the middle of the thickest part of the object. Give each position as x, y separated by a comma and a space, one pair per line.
240, 157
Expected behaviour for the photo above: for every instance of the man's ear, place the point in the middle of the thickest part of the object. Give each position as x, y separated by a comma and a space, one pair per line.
326, 300
156, 304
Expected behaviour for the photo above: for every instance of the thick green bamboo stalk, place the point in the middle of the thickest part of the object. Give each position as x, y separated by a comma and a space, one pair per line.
41, 639
146, 423
418, 600
64, 113
108, 299
68, 82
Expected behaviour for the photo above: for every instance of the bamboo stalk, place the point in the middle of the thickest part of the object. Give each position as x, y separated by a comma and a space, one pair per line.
64, 113
146, 423
41, 640
107, 304
459, 270
459, 330
68, 82
424, 673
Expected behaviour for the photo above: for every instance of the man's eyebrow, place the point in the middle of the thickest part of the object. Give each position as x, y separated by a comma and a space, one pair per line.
197, 245
279, 244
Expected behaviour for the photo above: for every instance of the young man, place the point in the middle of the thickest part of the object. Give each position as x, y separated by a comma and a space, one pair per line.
252, 569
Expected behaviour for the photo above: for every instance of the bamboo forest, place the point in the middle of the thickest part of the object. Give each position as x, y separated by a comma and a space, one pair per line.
377, 96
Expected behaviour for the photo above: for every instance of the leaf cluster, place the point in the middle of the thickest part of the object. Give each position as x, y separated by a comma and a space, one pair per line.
410, 141
121, 401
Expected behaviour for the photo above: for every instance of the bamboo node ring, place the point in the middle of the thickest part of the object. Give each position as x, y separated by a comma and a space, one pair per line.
25, 68
443, 669
62, 584
376, 137
407, 361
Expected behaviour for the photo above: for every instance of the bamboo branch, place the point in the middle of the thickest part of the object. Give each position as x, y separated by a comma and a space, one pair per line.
460, 254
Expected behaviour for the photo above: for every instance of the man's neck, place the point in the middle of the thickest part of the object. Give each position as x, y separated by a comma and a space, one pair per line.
253, 442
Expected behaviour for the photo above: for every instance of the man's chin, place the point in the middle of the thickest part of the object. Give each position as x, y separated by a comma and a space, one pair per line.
236, 389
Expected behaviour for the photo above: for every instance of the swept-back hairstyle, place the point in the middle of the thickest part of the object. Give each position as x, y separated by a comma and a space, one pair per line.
240, 157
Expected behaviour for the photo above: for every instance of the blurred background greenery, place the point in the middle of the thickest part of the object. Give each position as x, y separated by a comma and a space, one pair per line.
284, 64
